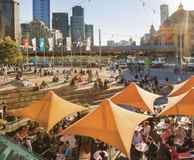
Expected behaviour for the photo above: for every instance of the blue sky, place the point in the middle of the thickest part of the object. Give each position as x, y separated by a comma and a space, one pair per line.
118, 19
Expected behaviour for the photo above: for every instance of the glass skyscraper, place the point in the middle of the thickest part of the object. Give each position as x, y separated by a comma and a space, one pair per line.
60, 22
77, 24
78, 11
41, 11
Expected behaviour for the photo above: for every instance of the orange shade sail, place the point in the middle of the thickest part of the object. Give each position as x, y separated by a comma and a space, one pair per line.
49, 110
109, 123
136, 97
182, 87
180, 105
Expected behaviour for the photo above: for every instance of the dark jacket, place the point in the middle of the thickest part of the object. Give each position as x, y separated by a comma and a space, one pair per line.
163, 153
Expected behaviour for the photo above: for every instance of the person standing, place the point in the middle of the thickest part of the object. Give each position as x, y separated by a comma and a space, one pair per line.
28, 144
5, 73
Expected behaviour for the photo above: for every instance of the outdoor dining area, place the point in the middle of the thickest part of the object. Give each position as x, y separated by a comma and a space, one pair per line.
128, 125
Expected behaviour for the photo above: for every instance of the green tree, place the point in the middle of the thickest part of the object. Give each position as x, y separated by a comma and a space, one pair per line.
9, 51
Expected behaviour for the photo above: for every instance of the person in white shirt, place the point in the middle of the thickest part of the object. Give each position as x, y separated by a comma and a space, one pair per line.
146, 129
97, 155
100, 155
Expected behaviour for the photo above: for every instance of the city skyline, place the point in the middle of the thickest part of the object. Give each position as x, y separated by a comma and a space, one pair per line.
130, 24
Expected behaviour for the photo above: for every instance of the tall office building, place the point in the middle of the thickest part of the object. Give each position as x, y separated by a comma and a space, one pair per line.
78, 11
77, 24
164, 13
60, 22
89, 33
41, 11
9, 19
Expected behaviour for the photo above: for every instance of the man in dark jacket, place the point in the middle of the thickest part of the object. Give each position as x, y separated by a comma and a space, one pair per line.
163, 152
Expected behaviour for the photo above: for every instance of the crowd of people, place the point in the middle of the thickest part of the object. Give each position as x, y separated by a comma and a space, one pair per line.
153, 141
54, 146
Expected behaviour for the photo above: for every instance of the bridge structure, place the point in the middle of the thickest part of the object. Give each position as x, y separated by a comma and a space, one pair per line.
146, 49
115, 50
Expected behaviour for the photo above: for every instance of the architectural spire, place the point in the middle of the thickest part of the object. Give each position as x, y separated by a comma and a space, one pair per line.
180, 6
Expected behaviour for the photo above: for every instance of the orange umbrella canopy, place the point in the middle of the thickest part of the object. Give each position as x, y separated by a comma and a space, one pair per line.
180, 105
49, 110
136, 97
110, 124
183, 87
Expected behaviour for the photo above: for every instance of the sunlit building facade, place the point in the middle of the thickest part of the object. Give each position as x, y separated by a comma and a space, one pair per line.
9, 19
77, 24
177, 30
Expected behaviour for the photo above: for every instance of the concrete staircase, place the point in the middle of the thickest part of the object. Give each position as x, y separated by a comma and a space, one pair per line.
17, 98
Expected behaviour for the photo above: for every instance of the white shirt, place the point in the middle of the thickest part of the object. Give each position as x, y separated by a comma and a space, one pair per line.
146, 130
97, 155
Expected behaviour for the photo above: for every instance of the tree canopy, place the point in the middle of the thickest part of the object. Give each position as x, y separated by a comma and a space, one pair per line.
9, 51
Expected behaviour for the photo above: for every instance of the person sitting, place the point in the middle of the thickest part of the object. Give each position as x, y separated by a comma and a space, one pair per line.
95, 85
163, 152
180, 134
36, 87
55, 79
105, 84
152, 151
97, 155
137, 139
67, 151
104, 155
146, 129
43, 85
100, 83
173, 152
28, 144
72, 83
165, 135
19, 76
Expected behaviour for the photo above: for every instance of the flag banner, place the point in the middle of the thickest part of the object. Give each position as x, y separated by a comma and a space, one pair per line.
68, 43
51, 44
42, 44
88, 44
25, 42
34, 44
